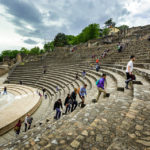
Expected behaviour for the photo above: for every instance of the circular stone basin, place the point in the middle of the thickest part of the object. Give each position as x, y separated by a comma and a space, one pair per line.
19, 101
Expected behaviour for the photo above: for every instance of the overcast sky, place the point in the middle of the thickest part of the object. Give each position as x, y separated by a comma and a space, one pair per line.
29, 23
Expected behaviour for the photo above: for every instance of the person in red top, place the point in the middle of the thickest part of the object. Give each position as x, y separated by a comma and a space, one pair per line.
97, 60
18, 127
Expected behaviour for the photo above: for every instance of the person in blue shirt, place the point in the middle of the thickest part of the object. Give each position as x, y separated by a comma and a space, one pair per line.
82, 94
100, 86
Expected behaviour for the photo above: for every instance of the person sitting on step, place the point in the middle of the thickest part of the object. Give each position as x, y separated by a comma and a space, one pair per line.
77, 76
129, 71
100, 86
57, 106
20, 82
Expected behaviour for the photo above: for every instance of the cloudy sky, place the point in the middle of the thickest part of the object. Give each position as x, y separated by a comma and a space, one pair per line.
29, 23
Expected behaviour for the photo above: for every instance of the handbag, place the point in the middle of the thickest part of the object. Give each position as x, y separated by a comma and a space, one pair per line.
133, 77
16, 128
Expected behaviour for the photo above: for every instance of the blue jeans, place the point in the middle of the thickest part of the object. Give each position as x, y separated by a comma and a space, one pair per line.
5, 92
58, 113
67, 108
74, 105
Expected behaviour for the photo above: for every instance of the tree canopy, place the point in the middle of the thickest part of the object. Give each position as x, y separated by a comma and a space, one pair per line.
60, 40
88, 33
123, 27
49, 46
110, 23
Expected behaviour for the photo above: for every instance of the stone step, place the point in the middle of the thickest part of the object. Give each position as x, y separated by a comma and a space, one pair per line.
134, 129
55, 139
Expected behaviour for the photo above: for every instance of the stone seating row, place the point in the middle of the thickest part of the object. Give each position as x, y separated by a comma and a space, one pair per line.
67, 124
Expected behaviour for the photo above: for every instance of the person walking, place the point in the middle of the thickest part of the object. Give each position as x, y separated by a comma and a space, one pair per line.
57, 106
97, 61
5, 90
68, 102
129, 71
18, 127
26, 122
100, 86
97, 67
82, 95
44, 90
29, 120
74, 101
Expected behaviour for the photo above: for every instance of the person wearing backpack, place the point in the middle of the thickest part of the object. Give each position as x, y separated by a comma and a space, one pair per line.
100, 86
57, 106
29, 120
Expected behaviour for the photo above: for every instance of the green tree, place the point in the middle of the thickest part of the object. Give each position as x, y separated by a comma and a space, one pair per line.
6, 53
14, 53
105, 31
35, 51
88, 33
70, 39
10, 53
49, 46
60, 40
110, 23
123, 27
93, 30
24, 51
42, 51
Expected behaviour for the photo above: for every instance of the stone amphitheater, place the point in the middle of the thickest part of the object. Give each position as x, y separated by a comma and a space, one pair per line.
120, 122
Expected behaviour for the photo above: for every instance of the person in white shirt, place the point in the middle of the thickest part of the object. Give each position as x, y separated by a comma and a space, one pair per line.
129, 70
26, 122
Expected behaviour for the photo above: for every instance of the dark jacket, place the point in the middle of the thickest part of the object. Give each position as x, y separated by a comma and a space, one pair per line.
73, 96
57, 105
5, 88
29, 120
68, 100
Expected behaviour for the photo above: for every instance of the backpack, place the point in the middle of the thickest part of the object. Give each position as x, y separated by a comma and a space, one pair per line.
97, 82
29, 120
